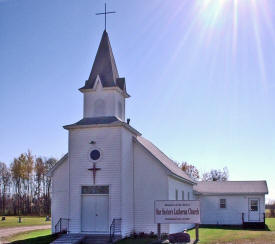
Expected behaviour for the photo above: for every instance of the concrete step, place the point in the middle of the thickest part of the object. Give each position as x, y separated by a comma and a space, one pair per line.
97, 239
69, 239
85, 239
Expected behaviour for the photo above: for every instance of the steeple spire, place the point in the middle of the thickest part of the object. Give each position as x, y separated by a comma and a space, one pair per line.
104, 66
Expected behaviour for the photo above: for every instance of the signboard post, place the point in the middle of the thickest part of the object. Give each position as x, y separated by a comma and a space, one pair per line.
197, 233
177, 212
159, 231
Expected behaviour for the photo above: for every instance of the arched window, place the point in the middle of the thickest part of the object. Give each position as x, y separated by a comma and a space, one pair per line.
99, 107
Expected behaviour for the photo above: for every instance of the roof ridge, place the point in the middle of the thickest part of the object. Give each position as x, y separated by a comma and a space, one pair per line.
174, 164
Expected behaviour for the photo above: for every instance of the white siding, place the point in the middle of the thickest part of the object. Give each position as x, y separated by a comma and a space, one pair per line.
173, 185
127, 195
60, 196
111, 99
211, 213
150, 184
108, 140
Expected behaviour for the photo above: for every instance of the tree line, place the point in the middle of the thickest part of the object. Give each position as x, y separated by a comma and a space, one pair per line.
270, 209
25, 186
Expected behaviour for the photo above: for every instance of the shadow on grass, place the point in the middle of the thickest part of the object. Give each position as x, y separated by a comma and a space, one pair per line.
229, 227
41, 240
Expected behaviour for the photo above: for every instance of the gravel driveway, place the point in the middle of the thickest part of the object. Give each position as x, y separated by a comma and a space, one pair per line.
6, 232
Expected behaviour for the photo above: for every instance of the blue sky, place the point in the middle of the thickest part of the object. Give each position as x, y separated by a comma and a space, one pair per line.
200, 73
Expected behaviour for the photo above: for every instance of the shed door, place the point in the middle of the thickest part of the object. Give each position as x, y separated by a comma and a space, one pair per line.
254, 209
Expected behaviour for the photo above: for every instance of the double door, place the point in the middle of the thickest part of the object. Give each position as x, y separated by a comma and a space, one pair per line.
95, 209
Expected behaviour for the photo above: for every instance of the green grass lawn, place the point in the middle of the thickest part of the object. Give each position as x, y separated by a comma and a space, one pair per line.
12, 221
207, 236
226, 235
32, 237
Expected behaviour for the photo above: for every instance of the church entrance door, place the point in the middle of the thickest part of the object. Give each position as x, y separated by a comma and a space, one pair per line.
95, 209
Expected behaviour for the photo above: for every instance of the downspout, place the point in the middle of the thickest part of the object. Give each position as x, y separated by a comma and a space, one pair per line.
69, 181
134, 199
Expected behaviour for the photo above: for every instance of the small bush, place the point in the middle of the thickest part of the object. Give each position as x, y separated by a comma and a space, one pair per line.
164, 236
143, 235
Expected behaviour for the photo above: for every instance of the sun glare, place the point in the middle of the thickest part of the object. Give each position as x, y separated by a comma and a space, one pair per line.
226, 24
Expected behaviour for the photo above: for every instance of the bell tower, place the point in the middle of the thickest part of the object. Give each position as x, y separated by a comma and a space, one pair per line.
104, 92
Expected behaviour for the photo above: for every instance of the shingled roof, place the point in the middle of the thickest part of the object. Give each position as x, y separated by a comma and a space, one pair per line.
231, 187
97, 121
104, 66
165, 160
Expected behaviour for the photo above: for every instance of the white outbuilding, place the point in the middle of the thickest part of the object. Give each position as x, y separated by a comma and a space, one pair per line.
232, 202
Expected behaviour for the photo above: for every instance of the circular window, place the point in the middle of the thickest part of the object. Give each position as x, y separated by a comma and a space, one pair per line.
95, 154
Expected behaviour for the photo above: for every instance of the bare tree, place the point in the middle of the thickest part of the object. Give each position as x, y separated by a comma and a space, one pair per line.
28, 178
216, 175
5, 180
190, 170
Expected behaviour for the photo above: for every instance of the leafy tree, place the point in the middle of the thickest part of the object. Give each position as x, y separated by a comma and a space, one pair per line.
39, 171
30, 186
17, 171
216, 175
47, 200
190, 170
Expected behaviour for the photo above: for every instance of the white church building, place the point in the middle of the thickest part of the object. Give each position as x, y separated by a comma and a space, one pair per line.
112, 174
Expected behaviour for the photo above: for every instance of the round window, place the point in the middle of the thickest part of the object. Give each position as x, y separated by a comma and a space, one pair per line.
95, 154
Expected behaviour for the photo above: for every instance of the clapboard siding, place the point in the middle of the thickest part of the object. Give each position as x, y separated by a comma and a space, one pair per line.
211, 213
60, 196
151, 183
112, 100
180, 186
108, 140
127, 182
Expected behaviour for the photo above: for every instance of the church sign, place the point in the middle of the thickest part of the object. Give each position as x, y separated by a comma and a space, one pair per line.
177, 212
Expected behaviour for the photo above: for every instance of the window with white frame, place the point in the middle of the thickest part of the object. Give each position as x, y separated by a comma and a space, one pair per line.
254, 205
177, 195
223, 203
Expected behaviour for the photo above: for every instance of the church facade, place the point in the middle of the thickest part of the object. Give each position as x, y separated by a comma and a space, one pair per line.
111, 172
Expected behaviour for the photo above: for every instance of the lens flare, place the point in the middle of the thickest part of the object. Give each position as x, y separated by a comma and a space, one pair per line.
227, 24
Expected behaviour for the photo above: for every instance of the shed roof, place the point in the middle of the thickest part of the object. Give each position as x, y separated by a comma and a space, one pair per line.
231, 187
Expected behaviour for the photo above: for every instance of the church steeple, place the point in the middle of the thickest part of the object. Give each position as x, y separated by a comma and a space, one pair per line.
104, 66
104, 91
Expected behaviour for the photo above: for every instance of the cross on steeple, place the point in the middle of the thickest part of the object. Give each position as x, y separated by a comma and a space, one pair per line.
105, 14
94, 169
